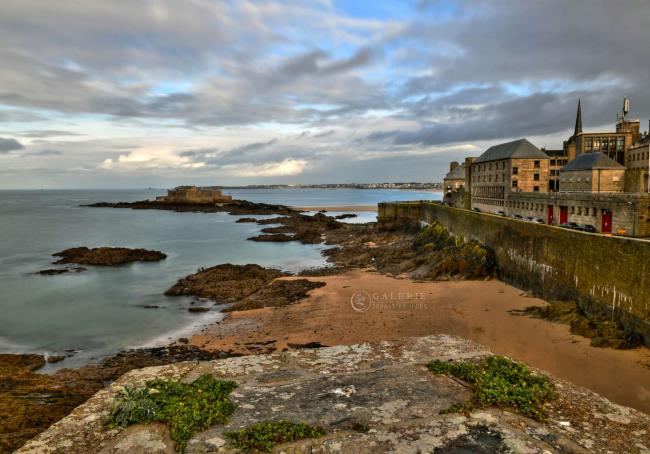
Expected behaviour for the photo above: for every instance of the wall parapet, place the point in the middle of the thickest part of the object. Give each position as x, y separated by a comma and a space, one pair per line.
604, 274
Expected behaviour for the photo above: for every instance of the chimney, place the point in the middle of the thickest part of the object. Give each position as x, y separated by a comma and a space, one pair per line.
453, 165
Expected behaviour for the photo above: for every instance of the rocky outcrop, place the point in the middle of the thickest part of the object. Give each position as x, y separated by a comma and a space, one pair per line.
235, 207
272, 238
428, 253
370, 398
299, 227
30, 402
225, 283
277, 294
107, 256
603, 331
56, 271
245, 286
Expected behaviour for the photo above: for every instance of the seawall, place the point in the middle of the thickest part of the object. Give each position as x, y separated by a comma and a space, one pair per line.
608, 275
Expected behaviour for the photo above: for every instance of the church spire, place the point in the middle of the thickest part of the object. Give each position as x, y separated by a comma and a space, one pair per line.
578, 128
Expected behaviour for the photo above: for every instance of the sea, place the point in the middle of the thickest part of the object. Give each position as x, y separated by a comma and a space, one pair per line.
90, 315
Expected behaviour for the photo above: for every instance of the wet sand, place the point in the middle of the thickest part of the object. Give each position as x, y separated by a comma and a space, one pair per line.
339, 208
476, 310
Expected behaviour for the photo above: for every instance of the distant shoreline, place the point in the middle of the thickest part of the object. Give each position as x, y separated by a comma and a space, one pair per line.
337, 208
433, 187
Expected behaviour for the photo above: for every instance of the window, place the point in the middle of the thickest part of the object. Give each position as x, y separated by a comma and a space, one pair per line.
514, 183
579, 211
593, 213
515, 170
573, 210
596, 146
535, 188
536, 177
588, 143
552, 162
604, 144
536, 164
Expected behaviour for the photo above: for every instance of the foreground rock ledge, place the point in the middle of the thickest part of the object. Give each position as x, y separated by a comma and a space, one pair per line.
383, 387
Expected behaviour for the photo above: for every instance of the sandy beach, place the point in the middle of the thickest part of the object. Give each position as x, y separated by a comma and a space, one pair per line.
477, 310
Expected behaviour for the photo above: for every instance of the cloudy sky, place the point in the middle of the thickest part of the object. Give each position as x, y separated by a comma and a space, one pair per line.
127, 93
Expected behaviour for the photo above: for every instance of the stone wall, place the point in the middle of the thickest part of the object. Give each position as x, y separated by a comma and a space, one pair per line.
609, 275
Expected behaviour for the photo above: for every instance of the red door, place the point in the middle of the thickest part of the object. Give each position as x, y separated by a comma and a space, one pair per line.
564, 215
607, 222
549, 219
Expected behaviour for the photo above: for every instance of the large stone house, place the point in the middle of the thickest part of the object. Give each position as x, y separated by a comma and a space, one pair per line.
517, 166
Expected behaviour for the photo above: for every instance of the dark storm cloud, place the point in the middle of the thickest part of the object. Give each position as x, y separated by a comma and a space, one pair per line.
7, 145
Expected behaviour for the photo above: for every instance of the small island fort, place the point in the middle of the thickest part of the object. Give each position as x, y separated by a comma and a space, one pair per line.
194, 194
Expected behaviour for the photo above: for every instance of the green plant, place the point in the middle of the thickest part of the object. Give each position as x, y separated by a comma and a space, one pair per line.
133, 406
263, 436
501, 382
184, 408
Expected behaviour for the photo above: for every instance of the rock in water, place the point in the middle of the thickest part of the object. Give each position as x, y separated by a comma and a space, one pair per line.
247, 286
107, 256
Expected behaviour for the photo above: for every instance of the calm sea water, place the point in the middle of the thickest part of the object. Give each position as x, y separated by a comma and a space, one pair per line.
100, 311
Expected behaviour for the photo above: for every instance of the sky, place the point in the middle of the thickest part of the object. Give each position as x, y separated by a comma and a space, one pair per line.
156, 93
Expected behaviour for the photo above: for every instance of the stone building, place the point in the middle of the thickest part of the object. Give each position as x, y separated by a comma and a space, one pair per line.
613, 144
637, 162
193, 194
453, 185
592, 172
600, 179
558, 159
455, 178
517, 166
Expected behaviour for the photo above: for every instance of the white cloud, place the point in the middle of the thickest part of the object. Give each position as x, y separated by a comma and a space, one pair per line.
287, 167
149, 158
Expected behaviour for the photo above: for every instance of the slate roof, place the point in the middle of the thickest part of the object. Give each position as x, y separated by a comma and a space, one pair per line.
589, 161
457, 174
519, 149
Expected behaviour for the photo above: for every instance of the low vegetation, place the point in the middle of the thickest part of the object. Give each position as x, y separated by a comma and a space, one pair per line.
502, 382
185, 408
263, 436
